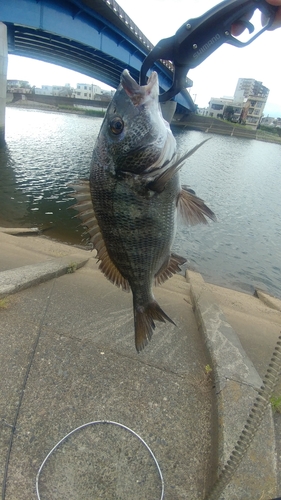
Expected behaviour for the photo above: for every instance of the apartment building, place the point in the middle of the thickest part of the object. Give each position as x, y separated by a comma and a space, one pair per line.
87, 91
255, 95
250, 87
58, 90
247, 103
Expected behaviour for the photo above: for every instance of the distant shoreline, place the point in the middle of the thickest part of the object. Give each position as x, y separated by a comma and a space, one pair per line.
211, 125
192, 122
26, 104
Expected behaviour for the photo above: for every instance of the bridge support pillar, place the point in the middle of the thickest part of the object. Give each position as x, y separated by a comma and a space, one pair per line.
3, 79
168, 109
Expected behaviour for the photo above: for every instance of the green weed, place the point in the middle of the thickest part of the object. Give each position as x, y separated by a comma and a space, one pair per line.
71, 268
4, 303
208, 369
275, 402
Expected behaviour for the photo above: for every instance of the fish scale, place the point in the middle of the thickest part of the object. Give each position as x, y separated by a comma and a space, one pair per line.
135, 248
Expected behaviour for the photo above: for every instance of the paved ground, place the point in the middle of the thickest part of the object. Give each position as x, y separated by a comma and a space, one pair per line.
68, 345
67, 358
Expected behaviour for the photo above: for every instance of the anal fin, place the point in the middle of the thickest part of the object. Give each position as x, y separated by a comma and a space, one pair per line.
170, 267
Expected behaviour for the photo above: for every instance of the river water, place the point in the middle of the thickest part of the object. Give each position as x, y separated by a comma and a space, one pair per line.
239, 179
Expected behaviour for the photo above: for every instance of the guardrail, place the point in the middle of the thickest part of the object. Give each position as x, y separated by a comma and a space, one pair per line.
121, 14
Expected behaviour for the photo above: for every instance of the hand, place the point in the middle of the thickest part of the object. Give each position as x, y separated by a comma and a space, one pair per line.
238, 28
277, 20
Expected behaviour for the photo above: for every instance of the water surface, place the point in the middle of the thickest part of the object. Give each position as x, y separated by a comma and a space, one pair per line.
239, 179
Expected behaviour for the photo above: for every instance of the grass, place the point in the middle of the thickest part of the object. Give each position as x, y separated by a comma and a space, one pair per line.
72, 267
270, 130
208, 369
4, 303
275, 402
93, 112
262, 134
87, 112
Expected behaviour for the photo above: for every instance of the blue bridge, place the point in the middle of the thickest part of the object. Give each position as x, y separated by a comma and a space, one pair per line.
93, 37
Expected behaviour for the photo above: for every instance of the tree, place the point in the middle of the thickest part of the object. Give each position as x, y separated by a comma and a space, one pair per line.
228, 113
24, 85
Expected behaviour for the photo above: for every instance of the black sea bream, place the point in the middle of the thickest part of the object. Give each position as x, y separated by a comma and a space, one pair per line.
134, 197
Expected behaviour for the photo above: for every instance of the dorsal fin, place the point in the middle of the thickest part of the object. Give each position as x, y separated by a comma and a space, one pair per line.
170, 267
193, 209
87, 215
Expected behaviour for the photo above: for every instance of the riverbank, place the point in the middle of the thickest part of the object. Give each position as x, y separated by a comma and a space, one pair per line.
215, 126
192, 122
26, 104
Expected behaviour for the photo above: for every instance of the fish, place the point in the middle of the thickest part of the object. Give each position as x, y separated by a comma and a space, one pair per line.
129, 204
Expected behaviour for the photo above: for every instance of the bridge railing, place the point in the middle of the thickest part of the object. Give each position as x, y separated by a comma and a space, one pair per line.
121, 14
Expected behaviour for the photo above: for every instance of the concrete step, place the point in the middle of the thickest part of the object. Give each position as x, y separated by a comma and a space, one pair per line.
17, 279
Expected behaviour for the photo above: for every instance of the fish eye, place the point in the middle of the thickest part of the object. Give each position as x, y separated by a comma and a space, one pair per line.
116, 125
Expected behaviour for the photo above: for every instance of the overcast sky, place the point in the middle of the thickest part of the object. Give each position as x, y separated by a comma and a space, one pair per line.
215, 77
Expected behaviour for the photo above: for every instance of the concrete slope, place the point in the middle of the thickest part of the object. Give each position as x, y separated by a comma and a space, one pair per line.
237, 327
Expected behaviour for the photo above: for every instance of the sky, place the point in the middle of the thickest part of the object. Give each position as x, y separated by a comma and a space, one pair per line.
216, 77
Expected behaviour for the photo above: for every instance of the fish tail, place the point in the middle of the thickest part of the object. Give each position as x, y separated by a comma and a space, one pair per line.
144, 322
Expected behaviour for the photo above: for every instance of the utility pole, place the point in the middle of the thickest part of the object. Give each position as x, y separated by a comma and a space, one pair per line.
3, 79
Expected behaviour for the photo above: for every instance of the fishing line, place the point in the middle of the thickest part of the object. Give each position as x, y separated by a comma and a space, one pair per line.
253, 422
96, 422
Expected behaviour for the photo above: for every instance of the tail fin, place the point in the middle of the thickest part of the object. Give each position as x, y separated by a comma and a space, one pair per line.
144, 324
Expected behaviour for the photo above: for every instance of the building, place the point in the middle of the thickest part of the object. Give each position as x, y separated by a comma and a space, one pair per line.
92, 92
202, 111
250, 87
271, 121
218, 107
20, 86
255, 94
253, 110
246, 105
87, 91
58, 90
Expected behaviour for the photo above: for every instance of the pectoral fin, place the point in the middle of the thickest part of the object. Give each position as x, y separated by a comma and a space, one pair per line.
164, 174
193, 209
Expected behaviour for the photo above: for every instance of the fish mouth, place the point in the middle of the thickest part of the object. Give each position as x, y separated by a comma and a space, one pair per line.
139, 94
